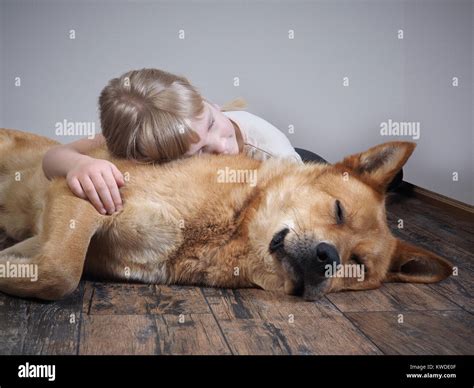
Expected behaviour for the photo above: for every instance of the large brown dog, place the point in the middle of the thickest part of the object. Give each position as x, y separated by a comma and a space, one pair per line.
224, 221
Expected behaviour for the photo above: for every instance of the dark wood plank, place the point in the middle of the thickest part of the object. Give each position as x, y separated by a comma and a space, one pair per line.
429, 240
392, 297
422, 332
151, 334
118, 334
34, 327
260, 322
53, 327
179, 300
118, 298
265, 305
127, 299
432, 217
443, 231
193, 334
460, 239
151, 319
13, 312
333, 334
459, 289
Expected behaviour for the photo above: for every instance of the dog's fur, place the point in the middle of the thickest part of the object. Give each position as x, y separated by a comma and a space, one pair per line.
180, 225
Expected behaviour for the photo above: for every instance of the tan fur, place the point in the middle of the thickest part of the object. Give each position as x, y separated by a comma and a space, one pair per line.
180, 225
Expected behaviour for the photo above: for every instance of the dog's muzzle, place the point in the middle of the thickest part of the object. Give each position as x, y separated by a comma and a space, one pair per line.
306, 261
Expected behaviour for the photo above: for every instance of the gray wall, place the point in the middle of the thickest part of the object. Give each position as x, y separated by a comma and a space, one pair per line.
295, 82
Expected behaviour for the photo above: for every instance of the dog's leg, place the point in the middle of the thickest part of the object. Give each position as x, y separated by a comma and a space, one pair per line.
25, 248
56, 255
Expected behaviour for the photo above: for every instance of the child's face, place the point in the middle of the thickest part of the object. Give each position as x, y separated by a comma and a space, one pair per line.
216, 131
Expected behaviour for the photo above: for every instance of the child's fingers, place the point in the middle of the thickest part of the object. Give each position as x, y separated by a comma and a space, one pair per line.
76, 188
104, 192
113, 189
118, 176
90, 191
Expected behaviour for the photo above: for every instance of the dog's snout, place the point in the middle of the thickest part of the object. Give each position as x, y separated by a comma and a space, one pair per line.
306, 261
327, 254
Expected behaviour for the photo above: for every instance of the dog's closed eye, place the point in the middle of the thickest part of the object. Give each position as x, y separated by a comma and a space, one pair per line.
339, 212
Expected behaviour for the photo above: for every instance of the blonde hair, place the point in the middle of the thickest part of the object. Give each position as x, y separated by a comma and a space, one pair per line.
144, 115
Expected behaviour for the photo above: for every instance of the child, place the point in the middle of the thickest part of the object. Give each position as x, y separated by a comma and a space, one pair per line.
150, 115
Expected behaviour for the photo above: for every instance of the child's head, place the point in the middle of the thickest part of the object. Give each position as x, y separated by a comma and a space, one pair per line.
152, 115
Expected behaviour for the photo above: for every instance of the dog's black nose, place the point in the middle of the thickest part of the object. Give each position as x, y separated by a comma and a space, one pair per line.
327, 254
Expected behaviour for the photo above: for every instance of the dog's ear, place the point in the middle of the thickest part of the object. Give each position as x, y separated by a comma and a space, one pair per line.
381, 163
411, 264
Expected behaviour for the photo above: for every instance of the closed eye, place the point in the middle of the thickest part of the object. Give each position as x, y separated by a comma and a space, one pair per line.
339, 212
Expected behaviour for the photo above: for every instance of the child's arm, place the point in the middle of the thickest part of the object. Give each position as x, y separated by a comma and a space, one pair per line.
94, 179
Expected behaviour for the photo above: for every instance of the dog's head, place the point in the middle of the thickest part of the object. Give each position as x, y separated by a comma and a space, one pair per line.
326, 227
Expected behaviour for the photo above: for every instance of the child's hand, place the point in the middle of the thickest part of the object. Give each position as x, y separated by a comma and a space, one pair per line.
98, 181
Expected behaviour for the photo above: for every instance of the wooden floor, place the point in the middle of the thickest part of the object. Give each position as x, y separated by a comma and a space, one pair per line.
107, 318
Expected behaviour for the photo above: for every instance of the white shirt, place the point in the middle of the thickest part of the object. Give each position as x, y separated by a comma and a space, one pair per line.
261, 139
